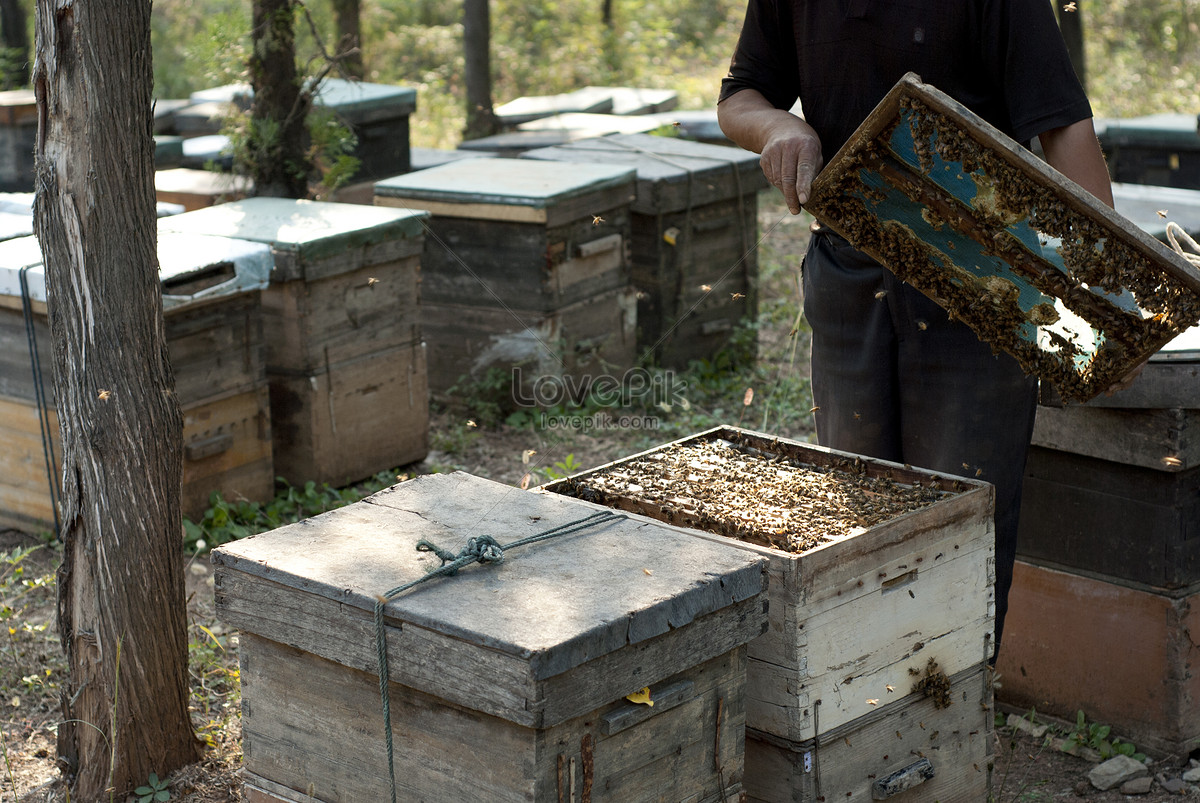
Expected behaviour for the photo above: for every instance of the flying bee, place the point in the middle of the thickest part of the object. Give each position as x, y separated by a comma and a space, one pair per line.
371, 282
597, 220
736, 296
1070, 7
104, 395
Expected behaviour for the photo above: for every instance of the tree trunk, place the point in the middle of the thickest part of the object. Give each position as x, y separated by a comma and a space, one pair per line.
15, 40
121, 610
1071, 24
278, 141
477, 69
349, 36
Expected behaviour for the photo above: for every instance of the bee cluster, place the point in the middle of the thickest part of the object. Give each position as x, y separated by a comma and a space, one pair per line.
1097, 267
756, 496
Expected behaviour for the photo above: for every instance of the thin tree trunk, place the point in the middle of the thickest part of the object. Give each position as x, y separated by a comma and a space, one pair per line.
16, 44
349, 36
278, 144
477, 70
1071, 24
121, 610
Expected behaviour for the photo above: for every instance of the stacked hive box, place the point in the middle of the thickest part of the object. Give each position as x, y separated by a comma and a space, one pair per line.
18, 133
212, 312
695, 228
196, 189
345, 359
1160, 149
527, 264
862, 629
508, 681
1109, 552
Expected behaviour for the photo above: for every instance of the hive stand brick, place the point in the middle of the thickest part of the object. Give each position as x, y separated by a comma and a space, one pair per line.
529, 685
1060, 656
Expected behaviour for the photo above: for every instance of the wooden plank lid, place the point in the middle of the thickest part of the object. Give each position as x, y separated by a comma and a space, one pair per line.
672, 173
550, 607
506, 189
304, 229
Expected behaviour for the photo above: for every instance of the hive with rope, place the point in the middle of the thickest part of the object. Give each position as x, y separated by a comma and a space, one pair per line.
877, 570
695, 237
525, 263
1032, 263
518, 646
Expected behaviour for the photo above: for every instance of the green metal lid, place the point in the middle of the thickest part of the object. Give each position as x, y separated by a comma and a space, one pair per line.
307, 229
1154, 130
508, 182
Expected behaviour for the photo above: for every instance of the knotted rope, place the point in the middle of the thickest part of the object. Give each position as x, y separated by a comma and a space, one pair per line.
480, 549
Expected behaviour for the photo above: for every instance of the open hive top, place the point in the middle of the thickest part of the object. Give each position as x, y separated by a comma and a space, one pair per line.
1035, 265
760, 490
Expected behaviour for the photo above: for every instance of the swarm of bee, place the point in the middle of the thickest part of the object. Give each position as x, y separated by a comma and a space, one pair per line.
933, 683
990, 305
756, 496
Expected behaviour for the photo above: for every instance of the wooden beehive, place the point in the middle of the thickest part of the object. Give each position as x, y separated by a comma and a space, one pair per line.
588, 338
345, 358
524, 235
519, 668
1112, 487
851, 616
695, 228
378, 115
1032, 263
196, 189
18, 136
213, 317
939, 746
1161, 150
526, 262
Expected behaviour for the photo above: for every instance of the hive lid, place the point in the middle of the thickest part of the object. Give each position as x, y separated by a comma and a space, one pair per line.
193, 268
1154, 130
305, 229
549, 607
514, 189
1151, 208
672, 173
535, 107
361, 100
1033, 263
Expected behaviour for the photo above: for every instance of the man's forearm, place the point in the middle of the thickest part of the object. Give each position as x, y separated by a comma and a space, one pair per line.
1074, 151
790, 149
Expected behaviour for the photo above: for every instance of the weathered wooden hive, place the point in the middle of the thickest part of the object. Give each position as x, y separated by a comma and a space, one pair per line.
212, 312
345, 358
508, 682
1162, 150
196, 189
1035, 265
527, 263
695, 228
872, 677
1109, 553
18, 137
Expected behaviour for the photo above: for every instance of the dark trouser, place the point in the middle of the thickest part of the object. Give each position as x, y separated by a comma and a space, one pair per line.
895, 379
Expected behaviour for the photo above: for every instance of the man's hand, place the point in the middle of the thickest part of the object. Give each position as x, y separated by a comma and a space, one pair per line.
789, 147
791, 160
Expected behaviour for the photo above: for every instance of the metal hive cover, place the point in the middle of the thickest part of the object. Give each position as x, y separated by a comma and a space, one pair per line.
1034, 264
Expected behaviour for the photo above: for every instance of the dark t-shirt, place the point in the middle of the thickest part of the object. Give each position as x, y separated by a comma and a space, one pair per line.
1003, 59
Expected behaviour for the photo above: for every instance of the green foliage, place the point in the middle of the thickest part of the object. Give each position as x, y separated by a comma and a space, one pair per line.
27, 641
153, 790
226, 521
563, 468
1099, 738
198, 45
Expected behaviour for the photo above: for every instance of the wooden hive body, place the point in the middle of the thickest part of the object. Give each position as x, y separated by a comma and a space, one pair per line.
18, 136
345, 358
1162, 150
213, 319
695, 225
527, 263
854, 620
521, 667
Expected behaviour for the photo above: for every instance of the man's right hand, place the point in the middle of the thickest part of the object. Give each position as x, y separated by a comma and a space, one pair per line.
790, 149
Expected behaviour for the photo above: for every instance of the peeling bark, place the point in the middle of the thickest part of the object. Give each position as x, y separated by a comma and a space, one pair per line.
121, 610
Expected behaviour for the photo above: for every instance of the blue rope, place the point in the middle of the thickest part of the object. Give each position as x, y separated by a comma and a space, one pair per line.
39, 395
481, 549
